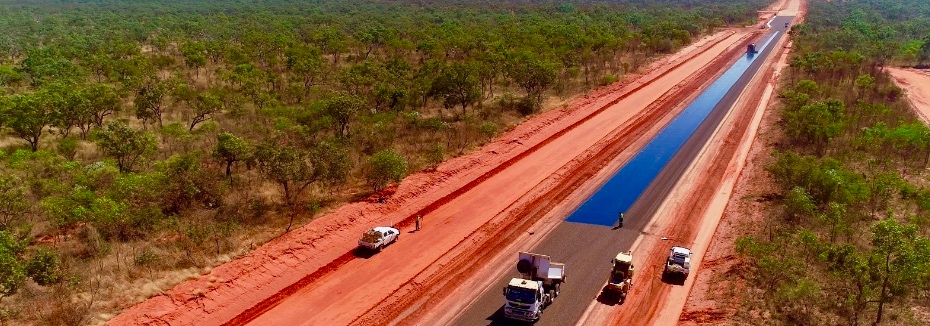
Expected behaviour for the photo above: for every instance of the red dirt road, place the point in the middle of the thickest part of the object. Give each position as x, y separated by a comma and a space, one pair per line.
711, 297
917, 84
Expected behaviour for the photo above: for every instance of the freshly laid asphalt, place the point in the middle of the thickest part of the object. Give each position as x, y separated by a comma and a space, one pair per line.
587, 249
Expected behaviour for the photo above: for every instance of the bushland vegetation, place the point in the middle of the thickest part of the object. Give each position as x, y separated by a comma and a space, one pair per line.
847, 238
146, 140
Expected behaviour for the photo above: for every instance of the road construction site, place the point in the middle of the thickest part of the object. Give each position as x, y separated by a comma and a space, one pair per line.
658, 146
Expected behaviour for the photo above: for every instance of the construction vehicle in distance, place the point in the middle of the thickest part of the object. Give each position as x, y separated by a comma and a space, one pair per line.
751, 48
620, 280
540, 283
678, 263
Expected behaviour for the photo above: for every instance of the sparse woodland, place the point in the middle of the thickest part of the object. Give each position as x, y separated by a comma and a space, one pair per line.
145, 141
847, 238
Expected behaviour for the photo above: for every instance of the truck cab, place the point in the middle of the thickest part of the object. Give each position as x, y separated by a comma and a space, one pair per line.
525, 299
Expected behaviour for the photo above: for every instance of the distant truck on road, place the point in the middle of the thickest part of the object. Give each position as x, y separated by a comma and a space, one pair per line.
678, 263
540, 283
379, 237
751, 48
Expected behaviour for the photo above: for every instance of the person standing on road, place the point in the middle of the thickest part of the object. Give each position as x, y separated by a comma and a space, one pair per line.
620, 220
418, 221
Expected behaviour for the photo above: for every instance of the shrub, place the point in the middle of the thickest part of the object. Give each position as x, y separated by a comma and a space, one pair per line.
436, 154
43, 268
608, 79
386, 166
147, 258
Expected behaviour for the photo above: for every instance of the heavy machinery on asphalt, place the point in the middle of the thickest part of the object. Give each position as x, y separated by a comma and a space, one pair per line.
620, 279
379, 237
539, 284
678, 263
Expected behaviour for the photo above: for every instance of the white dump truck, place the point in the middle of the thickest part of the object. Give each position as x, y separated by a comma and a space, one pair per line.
379, 237
540, 282
678, 262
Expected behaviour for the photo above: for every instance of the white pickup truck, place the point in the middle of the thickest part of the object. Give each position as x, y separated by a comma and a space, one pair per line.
678, 262
378, 238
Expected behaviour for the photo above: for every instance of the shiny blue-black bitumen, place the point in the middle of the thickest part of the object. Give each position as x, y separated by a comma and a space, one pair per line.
625, 187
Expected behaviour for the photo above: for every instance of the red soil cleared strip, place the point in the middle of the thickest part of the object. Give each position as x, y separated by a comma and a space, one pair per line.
258, 280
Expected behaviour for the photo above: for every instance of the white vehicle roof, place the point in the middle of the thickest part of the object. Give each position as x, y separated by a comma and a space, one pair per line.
681, 250
523, 283
384, 229
680, 255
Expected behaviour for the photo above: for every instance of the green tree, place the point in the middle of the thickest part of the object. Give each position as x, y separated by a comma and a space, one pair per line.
250, 81
385, 166
435, 154
44, 65
924, 56
287, 166
898, 261
457, 84
799, 205
342, 108
231, 149
27, 115
534, 75
13, 201
69, 104
44, 268
150, 101
306, 63
205, 106
124, 144
9, 75
816, 123
194, 55
12, 266
103, 102
331, 162
186, 184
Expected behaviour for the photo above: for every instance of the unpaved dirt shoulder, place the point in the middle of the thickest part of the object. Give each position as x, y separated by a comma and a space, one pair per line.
715, 297
916, 83
683, 213
708, 254
323, 244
